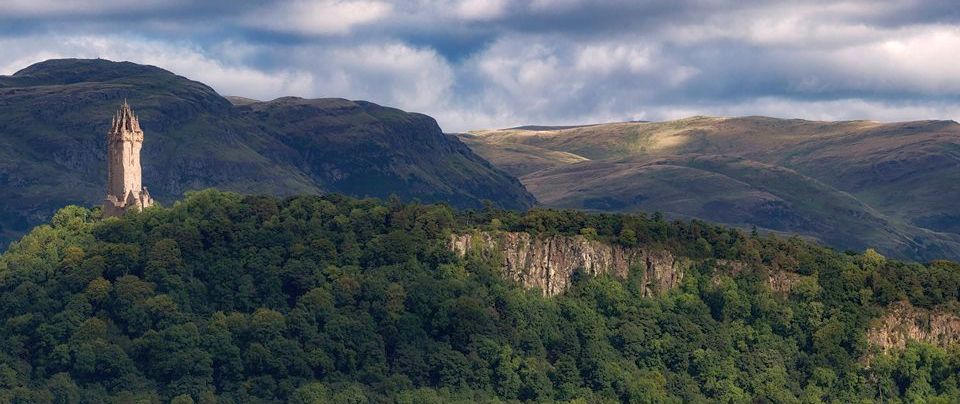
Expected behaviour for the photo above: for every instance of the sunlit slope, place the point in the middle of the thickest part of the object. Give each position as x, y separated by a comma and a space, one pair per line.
521, 159
851, 184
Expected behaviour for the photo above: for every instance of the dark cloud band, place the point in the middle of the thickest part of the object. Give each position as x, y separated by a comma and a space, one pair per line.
482, 63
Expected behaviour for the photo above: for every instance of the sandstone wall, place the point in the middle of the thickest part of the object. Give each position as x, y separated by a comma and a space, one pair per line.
903, 323
782, 281
549, 263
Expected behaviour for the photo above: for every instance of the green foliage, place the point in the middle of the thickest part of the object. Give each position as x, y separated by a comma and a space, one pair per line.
225, 298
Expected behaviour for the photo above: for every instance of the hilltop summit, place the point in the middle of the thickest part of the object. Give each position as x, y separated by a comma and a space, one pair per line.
52, 148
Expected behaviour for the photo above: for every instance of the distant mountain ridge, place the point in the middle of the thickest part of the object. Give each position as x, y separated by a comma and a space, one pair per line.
54, 116
853, 184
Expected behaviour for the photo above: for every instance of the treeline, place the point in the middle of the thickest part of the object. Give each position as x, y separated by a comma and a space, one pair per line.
224, 298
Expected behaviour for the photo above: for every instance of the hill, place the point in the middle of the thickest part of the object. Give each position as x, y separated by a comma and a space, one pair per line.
230, 298
55, 115
852, 185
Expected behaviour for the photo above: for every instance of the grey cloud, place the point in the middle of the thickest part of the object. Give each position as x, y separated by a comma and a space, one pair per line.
536, 61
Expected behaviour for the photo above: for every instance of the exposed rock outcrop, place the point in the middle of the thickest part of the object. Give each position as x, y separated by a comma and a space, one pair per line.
549, 263
903, 323
782, 281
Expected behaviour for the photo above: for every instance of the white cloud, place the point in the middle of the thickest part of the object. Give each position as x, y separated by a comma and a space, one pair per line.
608, 57
181, 58
481, 10
828, 110
819, 59
823, 25
19, 60
40, 8
523, 79
395, 74
921, 59
554, 6
318, 17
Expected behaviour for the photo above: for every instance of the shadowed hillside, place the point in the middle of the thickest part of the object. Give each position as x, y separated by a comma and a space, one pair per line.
853, 184
54, 116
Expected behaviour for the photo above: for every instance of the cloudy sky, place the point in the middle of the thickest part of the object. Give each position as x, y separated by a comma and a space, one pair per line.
498, 63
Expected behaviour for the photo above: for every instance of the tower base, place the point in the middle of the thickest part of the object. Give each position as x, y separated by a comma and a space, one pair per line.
113, 207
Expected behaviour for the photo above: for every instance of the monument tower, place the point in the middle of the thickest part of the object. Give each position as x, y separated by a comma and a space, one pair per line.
125, 188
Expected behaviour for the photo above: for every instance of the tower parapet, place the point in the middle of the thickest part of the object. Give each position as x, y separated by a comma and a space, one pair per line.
125, 188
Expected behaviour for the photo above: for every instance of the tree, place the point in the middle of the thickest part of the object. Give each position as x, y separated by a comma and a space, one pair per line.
222, 298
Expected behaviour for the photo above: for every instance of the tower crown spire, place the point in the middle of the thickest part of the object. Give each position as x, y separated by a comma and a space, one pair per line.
125, 122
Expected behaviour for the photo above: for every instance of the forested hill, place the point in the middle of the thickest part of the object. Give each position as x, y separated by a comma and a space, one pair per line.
55, 115
244, 299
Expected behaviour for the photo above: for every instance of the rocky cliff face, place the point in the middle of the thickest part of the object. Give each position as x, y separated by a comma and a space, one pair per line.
903, 323
782, 282
549, 263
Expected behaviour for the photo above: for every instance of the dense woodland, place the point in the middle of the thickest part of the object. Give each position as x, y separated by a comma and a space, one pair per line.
243, 299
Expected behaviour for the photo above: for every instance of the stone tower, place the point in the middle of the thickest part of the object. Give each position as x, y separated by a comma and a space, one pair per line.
125, 188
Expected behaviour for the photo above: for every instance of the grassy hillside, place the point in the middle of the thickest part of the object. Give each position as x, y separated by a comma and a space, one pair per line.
55, 116
246, 299
853, 184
